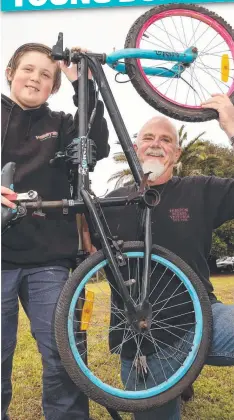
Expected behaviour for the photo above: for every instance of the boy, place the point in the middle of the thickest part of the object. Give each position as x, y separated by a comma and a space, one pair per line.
37, 253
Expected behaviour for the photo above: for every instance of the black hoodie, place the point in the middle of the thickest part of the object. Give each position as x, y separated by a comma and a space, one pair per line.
30, 138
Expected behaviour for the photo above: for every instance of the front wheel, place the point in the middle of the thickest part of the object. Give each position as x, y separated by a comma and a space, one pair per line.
91, 324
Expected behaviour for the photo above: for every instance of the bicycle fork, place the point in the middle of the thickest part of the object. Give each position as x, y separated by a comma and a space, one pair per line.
139, 316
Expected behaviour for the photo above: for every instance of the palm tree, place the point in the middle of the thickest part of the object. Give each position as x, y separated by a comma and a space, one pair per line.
194, 155
192, 159
124, 176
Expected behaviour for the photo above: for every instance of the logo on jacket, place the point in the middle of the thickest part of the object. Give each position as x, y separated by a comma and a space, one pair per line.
47, 136
179, 215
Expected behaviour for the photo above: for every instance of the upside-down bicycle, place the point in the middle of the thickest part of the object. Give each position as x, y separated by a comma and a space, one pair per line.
143, 284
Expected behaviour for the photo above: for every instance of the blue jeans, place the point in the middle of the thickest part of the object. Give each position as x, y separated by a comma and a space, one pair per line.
221, 354
38, 290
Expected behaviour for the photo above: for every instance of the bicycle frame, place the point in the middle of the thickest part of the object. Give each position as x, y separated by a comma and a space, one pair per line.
135, 315
182, 59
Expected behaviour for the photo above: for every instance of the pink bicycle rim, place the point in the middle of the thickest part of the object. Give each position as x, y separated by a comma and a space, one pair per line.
190, 13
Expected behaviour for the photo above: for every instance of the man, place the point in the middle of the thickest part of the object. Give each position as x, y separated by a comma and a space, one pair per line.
189, 209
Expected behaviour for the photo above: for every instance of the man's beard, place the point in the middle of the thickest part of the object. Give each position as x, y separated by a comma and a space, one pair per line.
155, 167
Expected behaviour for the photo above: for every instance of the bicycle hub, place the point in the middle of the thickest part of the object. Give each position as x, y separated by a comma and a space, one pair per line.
141, 319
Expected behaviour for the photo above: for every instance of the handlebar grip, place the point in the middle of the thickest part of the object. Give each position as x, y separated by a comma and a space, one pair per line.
8, 172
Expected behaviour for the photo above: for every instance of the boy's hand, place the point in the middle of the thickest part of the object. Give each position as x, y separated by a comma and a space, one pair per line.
71, 72
4, 200
225, 108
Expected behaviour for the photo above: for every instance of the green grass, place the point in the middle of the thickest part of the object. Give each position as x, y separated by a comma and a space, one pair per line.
214, 389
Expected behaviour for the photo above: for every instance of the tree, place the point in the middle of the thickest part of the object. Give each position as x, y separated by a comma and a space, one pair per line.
125, 175
194, 155
223, 240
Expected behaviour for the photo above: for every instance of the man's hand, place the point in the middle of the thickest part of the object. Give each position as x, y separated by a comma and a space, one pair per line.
4, 200
86, 239
225, 109
71, 72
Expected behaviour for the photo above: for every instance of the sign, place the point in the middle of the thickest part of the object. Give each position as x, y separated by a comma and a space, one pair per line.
23, 5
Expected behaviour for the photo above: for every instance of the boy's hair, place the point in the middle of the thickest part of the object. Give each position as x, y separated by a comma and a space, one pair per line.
25, 48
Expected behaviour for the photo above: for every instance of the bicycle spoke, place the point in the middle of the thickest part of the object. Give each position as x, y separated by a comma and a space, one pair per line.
183, 31
161, 46
209, 73
173, 275
167, 34
216, 53
156, 341
213, 77
175, 306
179, 39
160, 310
155, 382
169, 326
194, 32
176, 316
163, 352
135, 358
210, 42
173, 49
158, 282
177, 336
203, 87
178, 294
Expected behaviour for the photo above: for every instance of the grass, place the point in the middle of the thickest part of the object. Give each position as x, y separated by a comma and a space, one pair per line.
214, 389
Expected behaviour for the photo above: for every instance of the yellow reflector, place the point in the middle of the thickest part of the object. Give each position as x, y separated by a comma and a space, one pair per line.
87, 310
225, 67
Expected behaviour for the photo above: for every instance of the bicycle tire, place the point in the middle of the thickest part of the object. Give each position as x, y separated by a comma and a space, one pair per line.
144, 89
77, 375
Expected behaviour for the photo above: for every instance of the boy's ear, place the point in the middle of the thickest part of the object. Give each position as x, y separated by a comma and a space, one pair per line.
54, 91
8, 74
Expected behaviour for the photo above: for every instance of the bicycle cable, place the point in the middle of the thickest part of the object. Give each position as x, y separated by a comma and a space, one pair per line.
117, 74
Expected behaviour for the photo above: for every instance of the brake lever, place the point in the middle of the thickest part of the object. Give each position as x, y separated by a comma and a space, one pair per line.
28, 196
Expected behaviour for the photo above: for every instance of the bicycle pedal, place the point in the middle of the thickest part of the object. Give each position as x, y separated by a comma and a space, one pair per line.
39, 213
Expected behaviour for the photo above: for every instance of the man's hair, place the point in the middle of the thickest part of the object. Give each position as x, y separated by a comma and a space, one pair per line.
41, 48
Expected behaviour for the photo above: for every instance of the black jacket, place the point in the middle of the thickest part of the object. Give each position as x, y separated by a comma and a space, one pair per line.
31, 138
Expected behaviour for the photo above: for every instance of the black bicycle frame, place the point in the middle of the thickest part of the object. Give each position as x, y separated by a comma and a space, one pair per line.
134, 165
84, 198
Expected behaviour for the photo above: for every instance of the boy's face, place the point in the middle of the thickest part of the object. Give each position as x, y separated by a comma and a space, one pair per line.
33, 80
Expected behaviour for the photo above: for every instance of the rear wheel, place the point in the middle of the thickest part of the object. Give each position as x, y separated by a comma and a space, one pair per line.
175, 28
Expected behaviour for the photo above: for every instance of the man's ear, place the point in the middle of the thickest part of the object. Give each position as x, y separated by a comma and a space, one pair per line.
8, 73
135, 147
178, 154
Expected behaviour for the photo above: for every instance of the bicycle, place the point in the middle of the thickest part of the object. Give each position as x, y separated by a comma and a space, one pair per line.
130, 266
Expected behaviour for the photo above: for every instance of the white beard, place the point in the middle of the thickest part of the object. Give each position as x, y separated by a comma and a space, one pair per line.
155, 167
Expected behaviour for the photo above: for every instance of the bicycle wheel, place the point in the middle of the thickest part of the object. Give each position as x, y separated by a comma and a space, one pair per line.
179, 335
175, 28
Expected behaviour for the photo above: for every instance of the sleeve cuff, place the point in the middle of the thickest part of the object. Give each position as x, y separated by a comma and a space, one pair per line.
90, 85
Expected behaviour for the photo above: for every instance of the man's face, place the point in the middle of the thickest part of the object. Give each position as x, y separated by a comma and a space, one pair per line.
33, 80
157, 147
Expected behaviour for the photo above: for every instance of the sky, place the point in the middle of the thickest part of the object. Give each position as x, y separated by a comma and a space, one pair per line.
99, 30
